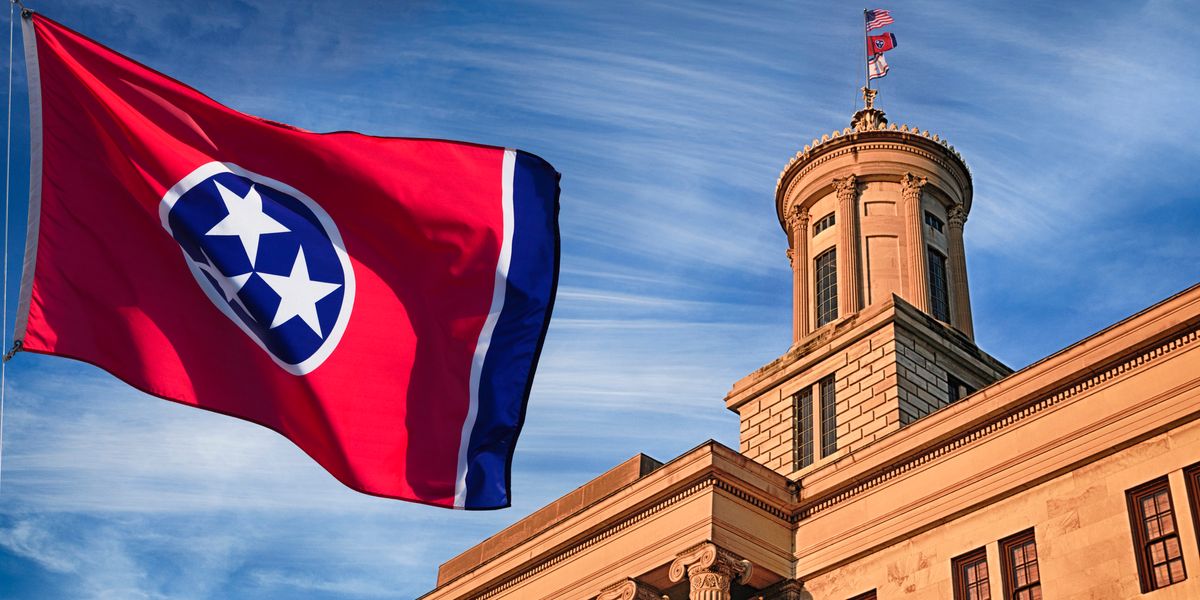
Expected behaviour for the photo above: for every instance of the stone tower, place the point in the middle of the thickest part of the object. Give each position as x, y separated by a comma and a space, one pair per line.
882, 330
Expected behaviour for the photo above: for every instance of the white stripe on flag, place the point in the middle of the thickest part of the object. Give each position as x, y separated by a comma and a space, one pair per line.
877, 67
489, 325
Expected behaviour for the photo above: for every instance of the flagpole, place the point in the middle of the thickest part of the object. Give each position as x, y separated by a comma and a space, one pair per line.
866, 50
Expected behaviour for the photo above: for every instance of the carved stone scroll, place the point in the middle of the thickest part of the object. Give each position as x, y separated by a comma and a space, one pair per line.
710, 571
629, 589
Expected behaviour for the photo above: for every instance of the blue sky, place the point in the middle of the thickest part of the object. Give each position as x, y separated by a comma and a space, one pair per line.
670, 123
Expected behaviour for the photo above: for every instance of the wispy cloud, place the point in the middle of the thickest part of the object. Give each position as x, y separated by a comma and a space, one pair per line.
670, 123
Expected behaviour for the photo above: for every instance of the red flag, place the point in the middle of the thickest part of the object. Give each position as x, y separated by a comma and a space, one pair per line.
878, 44
379, 301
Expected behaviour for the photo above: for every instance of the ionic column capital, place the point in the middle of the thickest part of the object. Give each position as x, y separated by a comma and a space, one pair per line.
629, 589
710, 570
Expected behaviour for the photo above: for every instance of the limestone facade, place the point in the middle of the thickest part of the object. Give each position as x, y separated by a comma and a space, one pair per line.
884, 455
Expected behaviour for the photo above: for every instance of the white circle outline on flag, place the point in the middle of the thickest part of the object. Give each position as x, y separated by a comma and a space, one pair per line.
202, 173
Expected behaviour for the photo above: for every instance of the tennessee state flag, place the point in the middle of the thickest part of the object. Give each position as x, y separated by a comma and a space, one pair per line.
878, 44
381, 302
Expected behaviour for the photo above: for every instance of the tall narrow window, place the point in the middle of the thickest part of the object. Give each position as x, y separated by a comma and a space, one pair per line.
957, 389
826, 271
828, 417
1018, 559
866, 596
939, 295
971, 576
1155, 536
804, 430
1192, 475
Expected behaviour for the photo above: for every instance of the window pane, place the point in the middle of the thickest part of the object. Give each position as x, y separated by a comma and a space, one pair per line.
1160, 560
1148, 506
828, 417
823, 223
1022, 576
804, 418
971, 576
826, 271
939, 296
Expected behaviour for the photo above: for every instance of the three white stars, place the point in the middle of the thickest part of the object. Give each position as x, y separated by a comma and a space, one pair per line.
298, 293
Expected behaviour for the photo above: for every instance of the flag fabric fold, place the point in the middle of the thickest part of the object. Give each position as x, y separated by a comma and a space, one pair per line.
876, 67
381, 302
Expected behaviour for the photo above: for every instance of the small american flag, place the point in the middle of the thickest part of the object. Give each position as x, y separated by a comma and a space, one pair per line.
878, 18
876, 67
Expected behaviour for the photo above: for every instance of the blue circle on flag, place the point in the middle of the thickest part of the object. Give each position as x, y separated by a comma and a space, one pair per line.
268, 256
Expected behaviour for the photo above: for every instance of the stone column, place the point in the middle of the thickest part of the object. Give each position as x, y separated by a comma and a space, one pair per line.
847, 245
709, 570
629, 589
914, 219
960, 297
797, 222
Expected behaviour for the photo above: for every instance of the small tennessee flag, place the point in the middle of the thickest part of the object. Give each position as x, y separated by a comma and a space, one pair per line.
878, 44
876, 67
381, 302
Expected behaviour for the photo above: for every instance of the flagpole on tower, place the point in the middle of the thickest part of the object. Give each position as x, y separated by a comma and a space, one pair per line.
866, 49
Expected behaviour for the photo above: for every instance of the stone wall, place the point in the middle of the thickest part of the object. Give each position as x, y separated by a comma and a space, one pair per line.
1081, 526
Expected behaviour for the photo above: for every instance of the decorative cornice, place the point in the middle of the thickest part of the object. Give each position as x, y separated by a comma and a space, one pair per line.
862, 128
903, 144
629, 589
600, 536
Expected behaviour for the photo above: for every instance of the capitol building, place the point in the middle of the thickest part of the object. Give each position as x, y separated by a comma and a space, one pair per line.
884, 455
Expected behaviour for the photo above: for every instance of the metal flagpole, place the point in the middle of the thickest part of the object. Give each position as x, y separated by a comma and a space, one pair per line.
866, 49
12, 15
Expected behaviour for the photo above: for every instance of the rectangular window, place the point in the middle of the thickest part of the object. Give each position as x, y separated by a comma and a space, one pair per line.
934, 222
939, 295
822, 224
1155, 536
866, 596
1192, 475
827, 304
957, 389
828, 417
804, 430
1018, 560
971, 576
